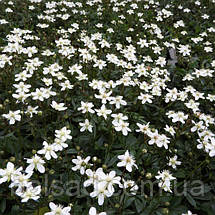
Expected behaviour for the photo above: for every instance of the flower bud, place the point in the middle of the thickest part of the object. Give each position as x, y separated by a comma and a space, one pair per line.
144, 151
6, 101
50, 197
78, 148
12, 159
167, 204
34, 151
104, 166
65, 116
117, 205
165, 211
148, 175
51, 172
95, 159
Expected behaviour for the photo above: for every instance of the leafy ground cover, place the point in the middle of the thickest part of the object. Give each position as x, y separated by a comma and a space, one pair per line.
107, 107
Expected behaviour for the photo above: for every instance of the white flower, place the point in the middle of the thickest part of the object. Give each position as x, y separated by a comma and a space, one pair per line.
58, 210
86, 107
92, 211
9, 172
81, 164
188, 213
48, 151
110, 180
66, 85
173, 162
100, 64
122, 126
86, 126
178, 117
37, 163
145, 98
164, 180
127, 161
170, 129
58, 106
59, 144
131, 185
93, 176
184, 50
13, 116
161, 61
21, 180
39, 94
63, 134
165, 175
100, 191
103, 111
143, 128
211, 147
155, 138
198, 126
30, 193
31, 110
118, 118
118, 100
22, 87
104, 96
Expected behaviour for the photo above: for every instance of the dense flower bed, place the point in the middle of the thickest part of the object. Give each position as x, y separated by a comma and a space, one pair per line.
107, 107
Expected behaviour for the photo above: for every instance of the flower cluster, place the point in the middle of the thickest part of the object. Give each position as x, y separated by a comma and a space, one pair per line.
130, 81
103, 183
20, 178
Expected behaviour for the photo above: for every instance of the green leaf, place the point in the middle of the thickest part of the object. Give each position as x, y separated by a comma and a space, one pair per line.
15, 210
3, 205
41, 211
128, 201
191, 200
180, 174
139, 205
71, 151
112, 161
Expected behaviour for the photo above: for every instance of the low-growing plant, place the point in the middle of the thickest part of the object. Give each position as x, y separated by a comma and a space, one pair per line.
107, 107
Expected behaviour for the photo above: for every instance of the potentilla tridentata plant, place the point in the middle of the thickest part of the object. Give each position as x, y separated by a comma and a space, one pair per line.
107, 107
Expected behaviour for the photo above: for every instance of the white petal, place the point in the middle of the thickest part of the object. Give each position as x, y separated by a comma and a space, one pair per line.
52, 206
10, 166
4, 179
40, 168
30, 168
129, 167
100, 199
122, 163
92, 211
